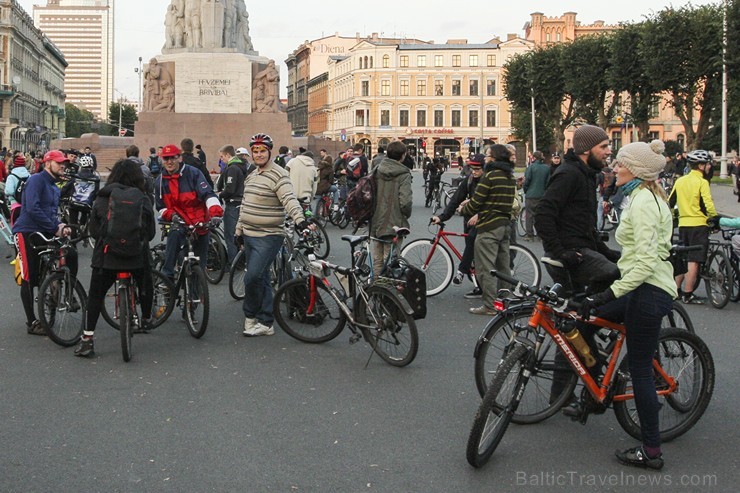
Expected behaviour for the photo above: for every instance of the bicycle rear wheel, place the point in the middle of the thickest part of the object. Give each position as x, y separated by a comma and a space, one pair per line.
236, 276
718, 279
127, 322
498, 407
319, 240
163, 299
306, 311
394, 336
521, 222
678, 317
216, 261
196, 303
438, 267
524, 265
62, 307
686, 358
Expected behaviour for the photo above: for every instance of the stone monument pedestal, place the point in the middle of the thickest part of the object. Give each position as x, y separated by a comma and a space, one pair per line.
210, 130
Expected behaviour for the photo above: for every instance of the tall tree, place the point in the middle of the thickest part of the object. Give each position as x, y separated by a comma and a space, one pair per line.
77, 120
128, 118
682, 51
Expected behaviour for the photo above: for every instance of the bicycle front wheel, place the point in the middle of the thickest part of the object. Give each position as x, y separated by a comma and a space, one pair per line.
319, 240
216, 260
126, 316
678, 317
306, 311
435, 261
498, 406
521, 222
524, 265
236, 276
196, 304
62, 306
718, 278
394, 336
163, 298
686, 358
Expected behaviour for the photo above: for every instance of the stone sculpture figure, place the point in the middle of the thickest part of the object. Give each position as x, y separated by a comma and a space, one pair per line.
265, 87
175, 24
193, 28
152, 78
243, 40
166, 103
229, 23
192, 23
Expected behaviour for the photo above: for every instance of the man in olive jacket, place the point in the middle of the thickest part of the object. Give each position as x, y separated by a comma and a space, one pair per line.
393, 202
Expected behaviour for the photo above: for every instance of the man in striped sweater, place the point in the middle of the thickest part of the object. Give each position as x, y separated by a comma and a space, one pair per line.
492, 202
268, 196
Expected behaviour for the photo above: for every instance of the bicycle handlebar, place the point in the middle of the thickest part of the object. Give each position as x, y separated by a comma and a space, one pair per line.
549, 295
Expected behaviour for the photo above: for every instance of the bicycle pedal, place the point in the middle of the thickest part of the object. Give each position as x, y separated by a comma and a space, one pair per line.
354, 338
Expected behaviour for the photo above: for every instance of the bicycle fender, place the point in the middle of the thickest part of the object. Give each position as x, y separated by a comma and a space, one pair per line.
524, 305
404, 304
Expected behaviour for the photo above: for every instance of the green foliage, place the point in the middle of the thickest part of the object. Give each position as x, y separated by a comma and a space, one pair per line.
672, 147
77, 121
128, 119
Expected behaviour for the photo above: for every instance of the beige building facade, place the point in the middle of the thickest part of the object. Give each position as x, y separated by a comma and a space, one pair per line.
83, 31
31, 83
439, 99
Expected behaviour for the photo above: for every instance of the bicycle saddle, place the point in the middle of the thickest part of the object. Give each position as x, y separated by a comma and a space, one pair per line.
354, 240
401, 232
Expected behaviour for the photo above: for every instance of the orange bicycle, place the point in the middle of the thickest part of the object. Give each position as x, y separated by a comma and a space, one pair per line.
684, 374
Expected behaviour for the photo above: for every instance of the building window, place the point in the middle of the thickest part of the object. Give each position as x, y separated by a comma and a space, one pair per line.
491, 60
653, 136
365, 88
438, 60
654, 110
616, 141
490, 118
359, 118
456, 60
403, 118
456, 118
386, 61
366, 65
421, 60
455, 87
385, 88
474, 87
439, 118
439, 88
385, 118
473, 59
404, 61
680, 140
421, 88
490, 88
404, 88
547, 37
371, 62
421, 118
473, 118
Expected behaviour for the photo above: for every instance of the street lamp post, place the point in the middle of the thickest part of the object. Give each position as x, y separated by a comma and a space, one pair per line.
723, 159
138, 71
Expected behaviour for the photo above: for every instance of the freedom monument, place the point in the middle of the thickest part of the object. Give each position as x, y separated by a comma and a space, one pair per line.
209, 83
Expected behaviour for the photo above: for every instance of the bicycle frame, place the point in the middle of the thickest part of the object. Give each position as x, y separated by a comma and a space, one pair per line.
442, 234
543, 316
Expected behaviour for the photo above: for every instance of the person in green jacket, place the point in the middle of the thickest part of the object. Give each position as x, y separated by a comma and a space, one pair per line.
535, 181
645, 292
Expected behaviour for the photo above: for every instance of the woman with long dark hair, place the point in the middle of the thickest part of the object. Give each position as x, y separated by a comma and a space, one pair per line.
126, 174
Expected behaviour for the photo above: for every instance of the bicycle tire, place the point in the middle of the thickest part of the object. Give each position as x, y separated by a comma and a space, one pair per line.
216, 260
62, 308
163, 302
718, 278
320, 242
521, 221
678, 317
195, 302
735, 294
438, 267
291, 306
394, 338
236, 276
537, 403
497, 408
126, 317
524, 265
679, 412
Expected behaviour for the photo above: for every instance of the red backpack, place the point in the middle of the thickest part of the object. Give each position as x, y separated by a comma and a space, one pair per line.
361, 200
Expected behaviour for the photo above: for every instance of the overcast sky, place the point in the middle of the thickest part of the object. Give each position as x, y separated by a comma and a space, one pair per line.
275, 34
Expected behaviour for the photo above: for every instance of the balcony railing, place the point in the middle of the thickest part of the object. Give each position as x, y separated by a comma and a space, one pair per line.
6, 90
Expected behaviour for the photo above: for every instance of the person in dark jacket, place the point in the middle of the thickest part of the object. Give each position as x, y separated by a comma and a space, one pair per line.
535, 181
326, 180
465, 192
201, 155
189, 158
125, 173
231, 185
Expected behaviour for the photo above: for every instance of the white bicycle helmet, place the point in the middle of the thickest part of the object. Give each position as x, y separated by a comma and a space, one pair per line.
698, 156
85, 162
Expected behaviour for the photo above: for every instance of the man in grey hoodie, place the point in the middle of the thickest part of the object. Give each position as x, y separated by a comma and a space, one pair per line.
304, 175
393, 202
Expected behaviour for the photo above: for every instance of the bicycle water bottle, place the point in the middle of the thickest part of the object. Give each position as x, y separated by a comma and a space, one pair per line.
577, 341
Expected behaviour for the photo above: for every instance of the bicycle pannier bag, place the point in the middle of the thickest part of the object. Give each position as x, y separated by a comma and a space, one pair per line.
413, 285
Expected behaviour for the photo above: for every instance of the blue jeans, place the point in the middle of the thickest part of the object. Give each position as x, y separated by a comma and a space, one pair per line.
259, 253
175, 240
231, 217
642, 311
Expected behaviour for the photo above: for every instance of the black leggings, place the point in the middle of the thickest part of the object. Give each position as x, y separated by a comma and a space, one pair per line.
101, 281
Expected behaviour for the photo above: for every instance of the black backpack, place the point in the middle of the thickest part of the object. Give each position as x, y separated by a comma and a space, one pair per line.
122, 237
18, 195
155, 166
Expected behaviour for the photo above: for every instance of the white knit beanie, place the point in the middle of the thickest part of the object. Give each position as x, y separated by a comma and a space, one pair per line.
644, 160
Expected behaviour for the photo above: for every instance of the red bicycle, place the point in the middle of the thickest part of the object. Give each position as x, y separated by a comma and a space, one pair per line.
435, 259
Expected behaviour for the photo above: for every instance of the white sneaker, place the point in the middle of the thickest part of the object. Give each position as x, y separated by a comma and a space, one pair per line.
249, 324
259, 330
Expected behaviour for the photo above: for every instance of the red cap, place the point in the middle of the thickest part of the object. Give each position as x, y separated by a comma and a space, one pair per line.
57, 156
170, 150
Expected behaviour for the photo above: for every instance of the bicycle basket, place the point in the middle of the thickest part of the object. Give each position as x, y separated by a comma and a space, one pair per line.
411, 283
